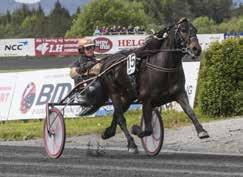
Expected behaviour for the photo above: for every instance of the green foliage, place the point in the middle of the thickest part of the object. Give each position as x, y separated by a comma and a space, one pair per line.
107, 13
217, 16
233, 25
204, 24
32, 129
24, 22
33, 26
59, 21
173, 10
216, 10
221, 91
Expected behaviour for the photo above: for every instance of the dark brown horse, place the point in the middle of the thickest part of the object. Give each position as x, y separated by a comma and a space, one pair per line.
159, 79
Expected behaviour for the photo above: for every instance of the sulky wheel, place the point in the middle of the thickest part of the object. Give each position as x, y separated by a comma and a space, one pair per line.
54, 133
152, 144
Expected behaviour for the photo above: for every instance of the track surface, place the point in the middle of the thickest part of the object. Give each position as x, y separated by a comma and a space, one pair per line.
80, 157
32, 161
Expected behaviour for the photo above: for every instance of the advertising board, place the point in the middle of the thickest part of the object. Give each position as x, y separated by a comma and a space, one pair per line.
7, 88
24, 95
56, 47
17, 47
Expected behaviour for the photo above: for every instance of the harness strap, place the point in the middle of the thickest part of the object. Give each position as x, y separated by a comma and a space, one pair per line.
162, 69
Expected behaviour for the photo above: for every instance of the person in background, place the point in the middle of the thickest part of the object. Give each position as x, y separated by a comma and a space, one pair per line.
97, 31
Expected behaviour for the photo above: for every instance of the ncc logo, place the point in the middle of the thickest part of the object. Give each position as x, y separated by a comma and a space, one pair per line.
18, 46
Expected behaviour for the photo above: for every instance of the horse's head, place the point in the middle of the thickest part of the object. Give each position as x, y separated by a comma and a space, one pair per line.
186, 35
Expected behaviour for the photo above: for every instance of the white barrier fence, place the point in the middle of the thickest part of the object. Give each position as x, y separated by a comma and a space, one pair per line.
24, 95
68, 47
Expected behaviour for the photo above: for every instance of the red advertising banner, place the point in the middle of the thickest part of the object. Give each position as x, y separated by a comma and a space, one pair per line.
56, 47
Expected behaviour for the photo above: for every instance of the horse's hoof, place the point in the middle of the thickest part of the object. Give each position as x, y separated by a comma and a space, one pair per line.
136, 130
133, 150
104, 137
107, 134
203, 135
145, 133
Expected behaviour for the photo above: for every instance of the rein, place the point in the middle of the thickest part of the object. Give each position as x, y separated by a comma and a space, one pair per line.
167, 70
91, 80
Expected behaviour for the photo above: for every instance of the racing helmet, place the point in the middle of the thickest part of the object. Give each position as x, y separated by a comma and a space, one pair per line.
85, 42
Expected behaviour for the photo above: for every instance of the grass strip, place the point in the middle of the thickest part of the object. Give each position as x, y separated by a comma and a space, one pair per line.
33, 129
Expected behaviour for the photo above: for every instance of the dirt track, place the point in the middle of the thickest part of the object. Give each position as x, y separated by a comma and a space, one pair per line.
183, 155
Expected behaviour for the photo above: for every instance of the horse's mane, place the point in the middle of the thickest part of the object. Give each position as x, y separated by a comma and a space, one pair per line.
150, 47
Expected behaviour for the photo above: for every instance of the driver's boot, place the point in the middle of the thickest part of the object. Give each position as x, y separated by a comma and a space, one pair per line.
81, 98
87, 101
84, 99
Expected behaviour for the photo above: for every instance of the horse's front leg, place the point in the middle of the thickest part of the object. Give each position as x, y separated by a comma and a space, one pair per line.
182, 99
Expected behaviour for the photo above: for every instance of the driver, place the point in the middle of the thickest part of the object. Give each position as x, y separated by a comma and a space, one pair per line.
84, 68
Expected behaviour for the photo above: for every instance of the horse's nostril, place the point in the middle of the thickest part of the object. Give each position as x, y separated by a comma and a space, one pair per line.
194, 49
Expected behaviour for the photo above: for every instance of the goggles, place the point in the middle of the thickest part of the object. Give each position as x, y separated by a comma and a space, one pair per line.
92, 47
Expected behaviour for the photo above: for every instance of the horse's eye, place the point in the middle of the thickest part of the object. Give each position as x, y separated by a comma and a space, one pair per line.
183, 30
193, 29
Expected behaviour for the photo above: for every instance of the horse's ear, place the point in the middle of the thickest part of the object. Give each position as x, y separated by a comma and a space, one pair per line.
183, 19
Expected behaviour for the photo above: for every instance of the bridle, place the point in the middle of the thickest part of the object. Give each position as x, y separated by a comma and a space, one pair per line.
181, 44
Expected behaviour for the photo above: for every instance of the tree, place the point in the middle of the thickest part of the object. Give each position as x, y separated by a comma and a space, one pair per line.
216, 10
173, 10
40, 11
238, 11
233, 25
107, 13
75, 15
59, 21
204, 25
166, 11
34, 26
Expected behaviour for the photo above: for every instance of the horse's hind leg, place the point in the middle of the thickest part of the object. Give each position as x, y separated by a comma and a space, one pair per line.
132, 147
111, 130
119, 109
182, 99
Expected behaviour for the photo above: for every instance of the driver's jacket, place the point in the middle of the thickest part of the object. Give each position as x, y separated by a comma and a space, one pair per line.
84, 64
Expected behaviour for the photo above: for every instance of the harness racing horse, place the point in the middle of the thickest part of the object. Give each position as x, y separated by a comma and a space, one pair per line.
159, 79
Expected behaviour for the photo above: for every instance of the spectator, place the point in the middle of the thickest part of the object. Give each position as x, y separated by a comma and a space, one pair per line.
130, 29
136, 29
104, 30
141, 30
118, 30
97, 31
124, 30
114, 30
